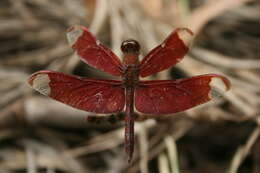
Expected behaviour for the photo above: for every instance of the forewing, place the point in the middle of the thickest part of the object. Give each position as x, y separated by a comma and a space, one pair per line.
92, 52
171, 96
91, 95
167, 54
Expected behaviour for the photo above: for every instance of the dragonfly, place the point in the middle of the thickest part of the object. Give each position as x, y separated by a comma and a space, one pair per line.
130, 95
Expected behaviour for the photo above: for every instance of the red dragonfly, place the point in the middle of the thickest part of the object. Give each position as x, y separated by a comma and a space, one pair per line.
155, 97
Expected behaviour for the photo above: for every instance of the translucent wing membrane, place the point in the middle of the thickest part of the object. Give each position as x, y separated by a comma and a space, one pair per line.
170, 52
170, 96
92, 95
92, 52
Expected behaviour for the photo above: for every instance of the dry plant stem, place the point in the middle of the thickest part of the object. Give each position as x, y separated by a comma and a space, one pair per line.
243, 106
12, 115
18, 161
210, 10
106, 141
47, 156
52, 156
147, 32
31, 162
143, 141
157, 137
156, 150
100, 16
43, 56
11, 76
57, 11
245, 84
248, 75
28, 111
11, 27
178, 133
64, 115
12, 95
243, 151
163, 163
172, 152
47, 36
219, 60
215, 114
116, 26
183, 6
9, 133
249, 12
131, 26
153, 8
90, 8
61, 64
154, 140
250, 97
131, 14
68, 66
99, 146
50, 170
24, 13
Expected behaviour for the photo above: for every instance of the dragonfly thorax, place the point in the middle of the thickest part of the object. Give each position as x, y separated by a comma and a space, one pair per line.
131, 50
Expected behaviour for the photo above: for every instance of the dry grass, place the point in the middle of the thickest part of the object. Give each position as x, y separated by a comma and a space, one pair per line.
41, 135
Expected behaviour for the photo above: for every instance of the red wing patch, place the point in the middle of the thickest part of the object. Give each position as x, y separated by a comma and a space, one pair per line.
92, 52
170, 52
171, 96
91, 95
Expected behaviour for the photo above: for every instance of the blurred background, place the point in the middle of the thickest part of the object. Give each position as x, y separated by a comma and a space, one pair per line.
39, 135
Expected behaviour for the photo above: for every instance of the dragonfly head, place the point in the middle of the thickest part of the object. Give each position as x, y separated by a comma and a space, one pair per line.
130, 47
131, 50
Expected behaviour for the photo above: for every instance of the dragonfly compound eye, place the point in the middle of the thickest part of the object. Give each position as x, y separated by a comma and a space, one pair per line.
130, 46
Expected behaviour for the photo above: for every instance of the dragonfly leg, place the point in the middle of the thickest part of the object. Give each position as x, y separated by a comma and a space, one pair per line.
112, 119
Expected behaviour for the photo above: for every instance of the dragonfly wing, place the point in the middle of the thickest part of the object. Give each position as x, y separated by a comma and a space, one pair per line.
91, 95
167, 54
171, 96
92, 52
